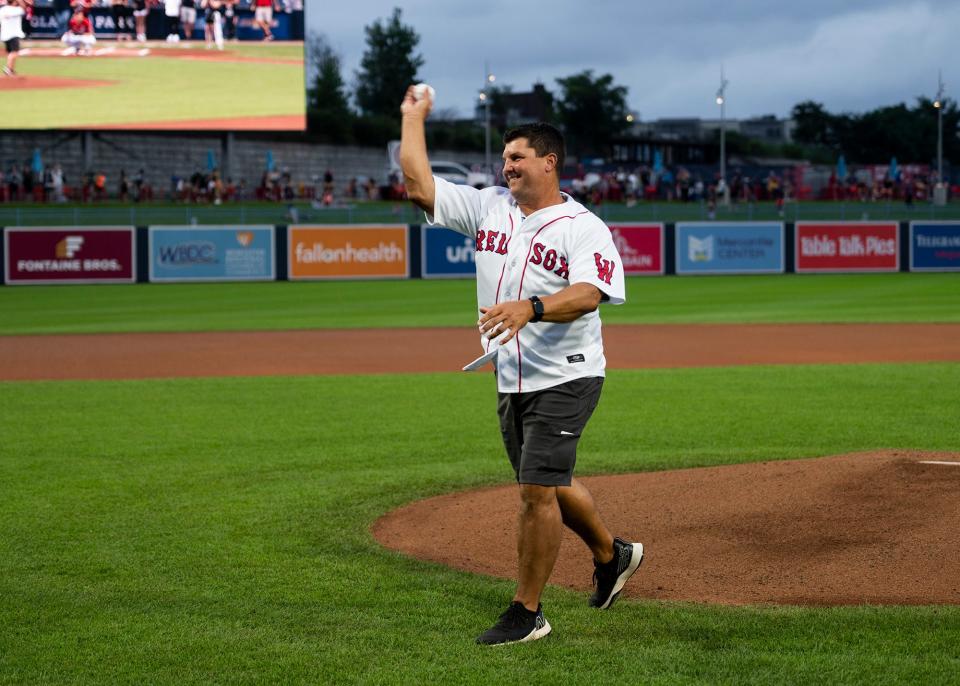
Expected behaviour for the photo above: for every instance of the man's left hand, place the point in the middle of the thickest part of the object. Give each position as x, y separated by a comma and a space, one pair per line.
508, 316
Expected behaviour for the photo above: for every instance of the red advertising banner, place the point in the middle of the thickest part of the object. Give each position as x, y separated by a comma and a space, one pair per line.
46, 255
641, 247
847, 247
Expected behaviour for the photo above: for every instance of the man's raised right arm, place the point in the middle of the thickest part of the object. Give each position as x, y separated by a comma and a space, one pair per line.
417, 176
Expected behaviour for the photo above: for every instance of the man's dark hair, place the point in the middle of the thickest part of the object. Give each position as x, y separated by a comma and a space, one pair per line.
543, 138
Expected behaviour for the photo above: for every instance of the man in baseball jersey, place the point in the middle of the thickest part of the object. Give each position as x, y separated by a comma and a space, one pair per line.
79, 37
544, 265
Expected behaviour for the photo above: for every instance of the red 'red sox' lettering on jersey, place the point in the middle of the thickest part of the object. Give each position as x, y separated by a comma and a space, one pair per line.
605, 268
550, 259
541, 253
493, 241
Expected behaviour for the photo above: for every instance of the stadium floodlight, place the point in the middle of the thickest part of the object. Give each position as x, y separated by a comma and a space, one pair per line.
722, 101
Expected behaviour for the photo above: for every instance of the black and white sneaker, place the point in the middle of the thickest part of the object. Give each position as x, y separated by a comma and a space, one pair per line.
610, 577
516, 625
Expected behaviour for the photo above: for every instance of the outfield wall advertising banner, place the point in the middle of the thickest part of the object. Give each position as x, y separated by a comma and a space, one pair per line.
54, 255
730, 248
211, 253
641, 247
935, 246
284, 26
348, 251
446, 254
847, 247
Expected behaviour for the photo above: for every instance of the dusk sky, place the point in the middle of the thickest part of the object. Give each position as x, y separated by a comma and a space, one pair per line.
851, 56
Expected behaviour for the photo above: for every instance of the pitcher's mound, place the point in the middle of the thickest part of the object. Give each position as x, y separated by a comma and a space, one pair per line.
876, 528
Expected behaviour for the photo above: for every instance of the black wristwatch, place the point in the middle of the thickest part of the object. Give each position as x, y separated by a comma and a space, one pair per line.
537, 308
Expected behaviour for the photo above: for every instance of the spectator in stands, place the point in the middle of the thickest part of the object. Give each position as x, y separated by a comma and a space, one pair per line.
327, 197
215, 188
352, 187
263, 17
57, 182
79, 37
137, 185
213, 24
171, 10
61, 14
83, 5
123, 187
100, 186
48, 183
27, 181
26, 26
140, 12
230, 19
188, 18
11, 31
118, 10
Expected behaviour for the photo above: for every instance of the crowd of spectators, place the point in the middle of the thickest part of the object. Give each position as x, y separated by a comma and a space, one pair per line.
681, 185
908, 187
28, 182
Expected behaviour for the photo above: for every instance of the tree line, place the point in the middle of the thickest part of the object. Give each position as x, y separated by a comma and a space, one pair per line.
591, 109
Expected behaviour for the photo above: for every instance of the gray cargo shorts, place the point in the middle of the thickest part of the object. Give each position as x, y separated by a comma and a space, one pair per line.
541, 429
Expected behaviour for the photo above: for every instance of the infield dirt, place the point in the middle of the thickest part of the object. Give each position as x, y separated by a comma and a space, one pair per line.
386, 351
867, 528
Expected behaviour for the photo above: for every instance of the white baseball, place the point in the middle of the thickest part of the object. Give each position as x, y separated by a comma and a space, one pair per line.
421, 89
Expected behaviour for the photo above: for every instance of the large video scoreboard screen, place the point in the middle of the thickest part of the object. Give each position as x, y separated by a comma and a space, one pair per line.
157, 65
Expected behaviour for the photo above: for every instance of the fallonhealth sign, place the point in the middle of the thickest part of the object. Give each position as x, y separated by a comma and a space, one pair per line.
347, 251
211, 253
847, 247
935, 246
641, 247
446, 254
52, 255
730, 248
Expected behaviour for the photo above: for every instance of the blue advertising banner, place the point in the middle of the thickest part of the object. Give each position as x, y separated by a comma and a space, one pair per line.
935, 246
211, 253
446, 254
730, 248
285, 25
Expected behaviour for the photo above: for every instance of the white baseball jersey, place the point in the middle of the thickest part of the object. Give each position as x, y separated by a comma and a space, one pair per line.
11, 22
539, 255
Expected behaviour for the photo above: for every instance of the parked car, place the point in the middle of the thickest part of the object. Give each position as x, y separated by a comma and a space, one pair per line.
457, 173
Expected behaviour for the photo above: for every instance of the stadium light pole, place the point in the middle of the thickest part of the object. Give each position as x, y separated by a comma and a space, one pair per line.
722, 101
488, 79
938, 103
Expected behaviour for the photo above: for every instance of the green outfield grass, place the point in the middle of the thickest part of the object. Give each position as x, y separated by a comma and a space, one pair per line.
899, 297
217, 530
157, 88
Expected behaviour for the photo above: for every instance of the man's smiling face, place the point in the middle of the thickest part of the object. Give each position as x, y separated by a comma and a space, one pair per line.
524, 172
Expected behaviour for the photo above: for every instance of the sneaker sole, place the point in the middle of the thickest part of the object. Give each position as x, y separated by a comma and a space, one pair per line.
635, 561
532, 636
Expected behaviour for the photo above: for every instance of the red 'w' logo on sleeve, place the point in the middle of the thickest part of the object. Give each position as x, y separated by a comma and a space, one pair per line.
604, 268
